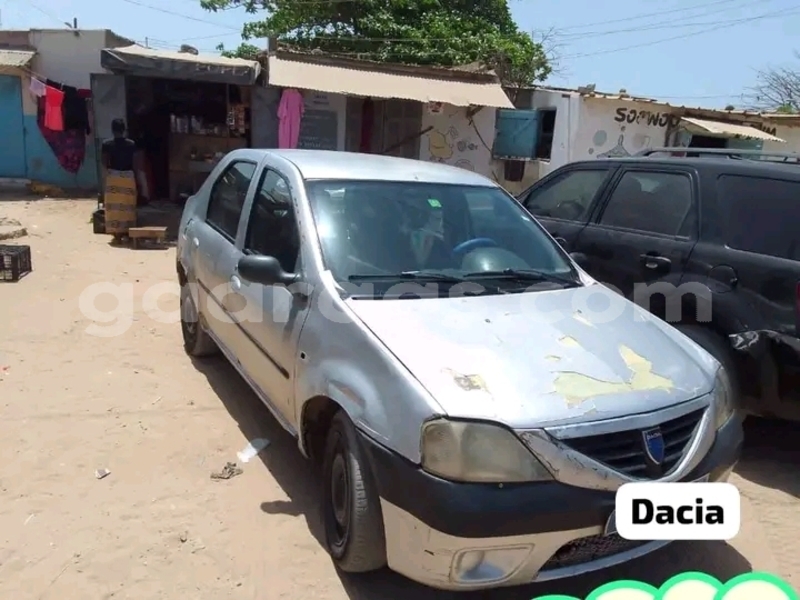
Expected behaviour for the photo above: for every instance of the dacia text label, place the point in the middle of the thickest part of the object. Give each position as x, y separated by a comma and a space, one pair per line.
678, 511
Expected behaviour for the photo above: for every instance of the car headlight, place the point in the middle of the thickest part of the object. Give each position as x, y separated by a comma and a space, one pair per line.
478, 453
723, 399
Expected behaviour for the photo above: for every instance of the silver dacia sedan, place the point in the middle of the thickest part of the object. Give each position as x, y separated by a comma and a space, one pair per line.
474, 398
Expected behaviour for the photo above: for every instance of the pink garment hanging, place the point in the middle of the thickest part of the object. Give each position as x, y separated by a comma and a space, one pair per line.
53, 115
290, 114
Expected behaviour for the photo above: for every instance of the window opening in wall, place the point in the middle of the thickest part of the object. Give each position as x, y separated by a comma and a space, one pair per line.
524, 134
547, 128
706, 141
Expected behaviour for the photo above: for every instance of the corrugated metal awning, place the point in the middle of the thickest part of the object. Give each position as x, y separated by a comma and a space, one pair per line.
730, 130
148, 62
16, 58
333, 79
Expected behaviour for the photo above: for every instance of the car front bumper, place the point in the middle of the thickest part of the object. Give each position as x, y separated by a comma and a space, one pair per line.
462, 536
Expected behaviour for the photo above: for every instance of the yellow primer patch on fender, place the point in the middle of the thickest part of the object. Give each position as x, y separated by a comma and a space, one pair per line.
576, 388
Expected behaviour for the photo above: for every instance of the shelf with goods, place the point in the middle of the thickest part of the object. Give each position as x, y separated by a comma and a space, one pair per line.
195, 147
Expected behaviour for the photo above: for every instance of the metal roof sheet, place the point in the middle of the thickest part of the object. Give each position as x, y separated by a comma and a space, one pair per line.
375, 83
720, 128
16, 58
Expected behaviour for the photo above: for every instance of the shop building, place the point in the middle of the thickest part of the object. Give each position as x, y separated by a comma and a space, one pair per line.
184, 111
553, 126
435, 114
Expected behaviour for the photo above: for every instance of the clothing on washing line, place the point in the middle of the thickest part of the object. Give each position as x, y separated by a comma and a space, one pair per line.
76, 115
37, 88
53, 115
69, 147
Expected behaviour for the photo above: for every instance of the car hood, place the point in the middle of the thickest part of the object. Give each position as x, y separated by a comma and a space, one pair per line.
533, 359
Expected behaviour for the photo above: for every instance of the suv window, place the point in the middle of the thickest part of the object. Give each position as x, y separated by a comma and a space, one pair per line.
762, 215
272, 229
567, 197
652, 202
228, 196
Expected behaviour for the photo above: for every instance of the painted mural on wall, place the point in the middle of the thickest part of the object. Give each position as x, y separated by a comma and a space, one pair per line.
456, 141
622, 131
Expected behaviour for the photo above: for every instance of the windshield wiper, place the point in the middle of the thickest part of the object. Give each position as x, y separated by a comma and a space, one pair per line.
409, 275
523, 275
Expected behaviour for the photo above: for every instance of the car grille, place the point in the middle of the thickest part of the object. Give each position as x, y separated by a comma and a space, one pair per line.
624, 451
588, 549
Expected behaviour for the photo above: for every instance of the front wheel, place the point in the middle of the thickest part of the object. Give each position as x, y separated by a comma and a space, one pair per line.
354, 532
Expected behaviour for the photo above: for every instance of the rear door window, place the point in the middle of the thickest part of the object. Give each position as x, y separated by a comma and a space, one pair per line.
568, 196
762, 215
652, 202
227, 197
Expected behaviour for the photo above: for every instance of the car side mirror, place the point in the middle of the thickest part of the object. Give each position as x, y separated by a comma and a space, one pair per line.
265, 270
580, 258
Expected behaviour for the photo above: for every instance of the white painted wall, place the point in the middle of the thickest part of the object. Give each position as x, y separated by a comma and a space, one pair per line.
617, 128
68, 56
334, 102
567, 119
456, 141
790, 134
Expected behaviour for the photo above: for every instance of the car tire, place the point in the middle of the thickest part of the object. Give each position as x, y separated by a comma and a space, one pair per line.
718, 347
196, 342
354, 533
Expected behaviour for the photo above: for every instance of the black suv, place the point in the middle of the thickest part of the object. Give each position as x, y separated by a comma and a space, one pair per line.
721, 228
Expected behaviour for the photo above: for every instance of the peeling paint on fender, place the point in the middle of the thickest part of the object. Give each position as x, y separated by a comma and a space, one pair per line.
569, 342
576, 388
578, 316
469, 383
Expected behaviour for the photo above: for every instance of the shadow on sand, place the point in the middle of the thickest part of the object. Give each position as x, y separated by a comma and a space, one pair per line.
299, 480
771, 455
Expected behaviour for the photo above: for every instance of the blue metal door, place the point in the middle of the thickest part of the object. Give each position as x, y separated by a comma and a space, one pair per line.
12, 128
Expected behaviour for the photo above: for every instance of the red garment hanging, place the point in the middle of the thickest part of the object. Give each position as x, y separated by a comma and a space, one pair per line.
53, 113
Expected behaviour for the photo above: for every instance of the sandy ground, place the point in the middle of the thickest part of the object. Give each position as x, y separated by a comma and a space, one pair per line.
158, 527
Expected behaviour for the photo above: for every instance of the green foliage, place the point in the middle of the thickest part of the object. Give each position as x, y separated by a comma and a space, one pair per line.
420, 32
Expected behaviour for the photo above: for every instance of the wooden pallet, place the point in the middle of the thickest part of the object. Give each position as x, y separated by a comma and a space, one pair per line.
159, 234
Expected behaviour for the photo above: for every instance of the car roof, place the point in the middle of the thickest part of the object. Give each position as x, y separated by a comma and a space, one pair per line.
720, 165
331, 164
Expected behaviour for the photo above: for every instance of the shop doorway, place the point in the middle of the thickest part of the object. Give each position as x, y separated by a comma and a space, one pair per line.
181, 129
707, 142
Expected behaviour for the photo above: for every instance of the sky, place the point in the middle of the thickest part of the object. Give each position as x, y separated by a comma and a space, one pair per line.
687, 52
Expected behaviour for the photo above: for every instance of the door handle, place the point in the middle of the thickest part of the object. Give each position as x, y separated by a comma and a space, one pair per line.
654, 261
236, 283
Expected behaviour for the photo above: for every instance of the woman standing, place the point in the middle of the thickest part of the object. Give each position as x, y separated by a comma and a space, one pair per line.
119, 187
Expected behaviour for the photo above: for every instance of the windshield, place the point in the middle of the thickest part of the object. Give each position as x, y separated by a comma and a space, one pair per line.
376, 228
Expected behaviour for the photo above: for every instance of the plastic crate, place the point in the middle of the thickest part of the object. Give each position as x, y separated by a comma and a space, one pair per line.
15, 262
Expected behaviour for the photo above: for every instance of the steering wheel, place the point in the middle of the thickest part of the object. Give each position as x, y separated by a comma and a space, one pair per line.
473, 244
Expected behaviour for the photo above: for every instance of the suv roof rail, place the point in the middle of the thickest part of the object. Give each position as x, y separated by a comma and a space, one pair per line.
725, 153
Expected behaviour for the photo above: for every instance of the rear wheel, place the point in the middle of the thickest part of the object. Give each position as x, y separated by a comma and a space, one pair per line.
196, 341
352, 516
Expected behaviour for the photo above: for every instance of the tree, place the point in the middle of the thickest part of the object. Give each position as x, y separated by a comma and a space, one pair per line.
778, 89
419, 32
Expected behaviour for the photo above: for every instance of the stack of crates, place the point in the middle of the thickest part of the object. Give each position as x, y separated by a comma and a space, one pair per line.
15, 262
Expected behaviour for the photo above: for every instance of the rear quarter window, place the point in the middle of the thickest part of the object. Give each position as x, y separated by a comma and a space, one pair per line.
762, 215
